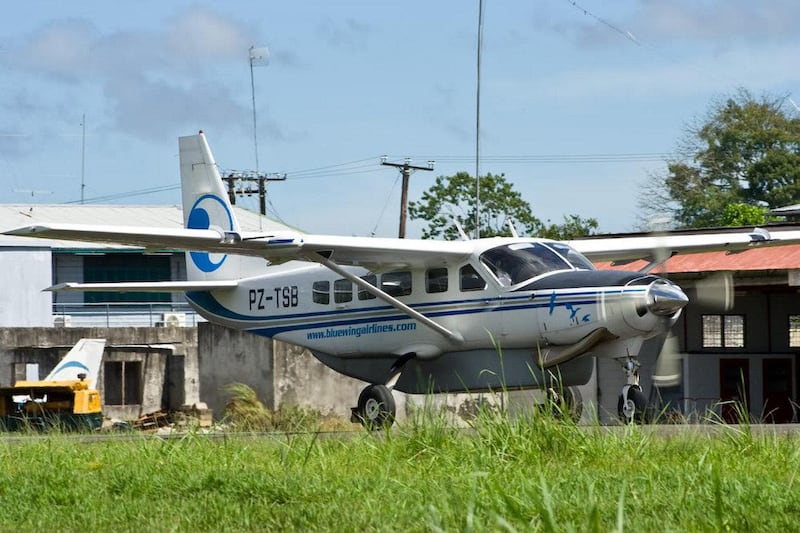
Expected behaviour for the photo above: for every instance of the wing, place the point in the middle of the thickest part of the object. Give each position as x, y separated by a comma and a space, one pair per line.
276, 247
655, 247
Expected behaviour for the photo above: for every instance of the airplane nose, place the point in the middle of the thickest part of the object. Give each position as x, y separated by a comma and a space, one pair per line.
665, 298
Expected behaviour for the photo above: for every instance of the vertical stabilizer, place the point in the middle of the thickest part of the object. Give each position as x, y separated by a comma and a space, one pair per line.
205, 206
83, 358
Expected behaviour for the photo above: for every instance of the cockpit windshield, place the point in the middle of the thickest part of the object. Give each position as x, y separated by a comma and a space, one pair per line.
573, 256
518, 262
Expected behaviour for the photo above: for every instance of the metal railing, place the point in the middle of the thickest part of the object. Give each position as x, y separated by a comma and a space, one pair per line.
125, 314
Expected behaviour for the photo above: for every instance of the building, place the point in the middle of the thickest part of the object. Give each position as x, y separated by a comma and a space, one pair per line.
738, 340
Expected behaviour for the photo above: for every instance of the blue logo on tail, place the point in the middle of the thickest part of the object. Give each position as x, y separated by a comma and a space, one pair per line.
206, 209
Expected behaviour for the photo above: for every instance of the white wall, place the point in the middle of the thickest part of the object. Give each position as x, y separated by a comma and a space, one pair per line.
24, 272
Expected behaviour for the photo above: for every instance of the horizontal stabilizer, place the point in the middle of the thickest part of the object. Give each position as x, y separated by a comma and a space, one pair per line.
146, 286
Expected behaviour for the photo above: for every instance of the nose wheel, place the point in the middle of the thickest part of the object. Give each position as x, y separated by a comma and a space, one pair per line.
632, 405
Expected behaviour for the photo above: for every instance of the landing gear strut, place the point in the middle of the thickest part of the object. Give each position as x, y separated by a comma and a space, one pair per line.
632, 403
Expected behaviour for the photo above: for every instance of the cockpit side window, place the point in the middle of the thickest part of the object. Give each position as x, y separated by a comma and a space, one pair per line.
514, 263
470, 280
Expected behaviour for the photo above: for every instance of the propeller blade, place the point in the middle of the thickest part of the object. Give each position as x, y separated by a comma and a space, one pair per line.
715, 291
667, 372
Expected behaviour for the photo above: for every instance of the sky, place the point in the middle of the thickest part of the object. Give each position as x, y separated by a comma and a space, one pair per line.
580, 102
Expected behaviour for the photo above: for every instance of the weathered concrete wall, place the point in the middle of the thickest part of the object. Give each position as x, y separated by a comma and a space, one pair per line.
159, 349
228, 356
300, 379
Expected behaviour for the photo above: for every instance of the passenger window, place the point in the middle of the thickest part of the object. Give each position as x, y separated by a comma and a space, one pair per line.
321, 292
396, 283
436, 280
342, 291
470, 280
372, 279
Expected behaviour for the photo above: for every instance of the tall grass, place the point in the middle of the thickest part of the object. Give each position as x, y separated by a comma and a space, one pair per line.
529, 473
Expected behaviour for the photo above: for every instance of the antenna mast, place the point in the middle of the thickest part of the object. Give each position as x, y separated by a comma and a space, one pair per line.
83, 155
478, 127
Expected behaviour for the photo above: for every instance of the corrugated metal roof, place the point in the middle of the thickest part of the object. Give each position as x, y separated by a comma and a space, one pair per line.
768, 258
160, 216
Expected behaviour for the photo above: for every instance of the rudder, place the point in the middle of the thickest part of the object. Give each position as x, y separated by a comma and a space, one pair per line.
205, 206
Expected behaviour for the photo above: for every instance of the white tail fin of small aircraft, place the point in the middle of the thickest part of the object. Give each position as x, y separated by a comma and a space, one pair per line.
206, 206
82, 360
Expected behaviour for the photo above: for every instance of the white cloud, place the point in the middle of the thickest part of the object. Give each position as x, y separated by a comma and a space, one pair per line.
202, 35
152, 81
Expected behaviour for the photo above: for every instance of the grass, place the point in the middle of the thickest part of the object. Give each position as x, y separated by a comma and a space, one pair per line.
532, 473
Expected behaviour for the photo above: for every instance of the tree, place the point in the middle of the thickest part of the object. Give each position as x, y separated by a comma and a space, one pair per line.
451, 199
746, 152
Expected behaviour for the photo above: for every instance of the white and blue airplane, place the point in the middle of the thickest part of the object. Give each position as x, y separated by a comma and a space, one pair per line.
418, 316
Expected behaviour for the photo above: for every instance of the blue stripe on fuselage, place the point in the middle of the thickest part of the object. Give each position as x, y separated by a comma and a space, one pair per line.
331, 318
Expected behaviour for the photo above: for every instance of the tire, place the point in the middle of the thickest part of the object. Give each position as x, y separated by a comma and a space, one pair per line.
637, 401
376, 407
567, 403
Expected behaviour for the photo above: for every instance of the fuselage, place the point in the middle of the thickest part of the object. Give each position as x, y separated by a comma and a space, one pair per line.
508, 295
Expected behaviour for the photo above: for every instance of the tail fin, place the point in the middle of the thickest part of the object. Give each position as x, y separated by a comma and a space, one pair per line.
83, 358
205, 205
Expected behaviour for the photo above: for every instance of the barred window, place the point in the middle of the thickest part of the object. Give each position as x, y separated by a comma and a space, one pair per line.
794, 331
723, 331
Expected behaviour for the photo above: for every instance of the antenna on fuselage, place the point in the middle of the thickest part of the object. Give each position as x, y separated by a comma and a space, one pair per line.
461, 232
512, 228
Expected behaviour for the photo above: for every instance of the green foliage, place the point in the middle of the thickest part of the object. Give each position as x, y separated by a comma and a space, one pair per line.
452, 198
740, 214
746, 152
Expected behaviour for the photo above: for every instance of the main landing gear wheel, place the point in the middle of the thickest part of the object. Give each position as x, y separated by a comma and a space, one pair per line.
376, 407
632, 405
566, 402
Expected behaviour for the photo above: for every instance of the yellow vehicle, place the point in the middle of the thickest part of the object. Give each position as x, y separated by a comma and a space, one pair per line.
69, 405
65, 399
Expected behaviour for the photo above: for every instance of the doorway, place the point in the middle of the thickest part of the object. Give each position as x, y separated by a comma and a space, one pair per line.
778, 391
734, 389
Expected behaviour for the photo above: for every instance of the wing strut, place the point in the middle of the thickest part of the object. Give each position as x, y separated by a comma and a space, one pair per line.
394, 302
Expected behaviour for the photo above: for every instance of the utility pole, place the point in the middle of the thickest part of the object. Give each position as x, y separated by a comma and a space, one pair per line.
406, 168
245, 181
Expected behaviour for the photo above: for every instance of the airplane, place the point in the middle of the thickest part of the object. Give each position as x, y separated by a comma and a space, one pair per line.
419, 316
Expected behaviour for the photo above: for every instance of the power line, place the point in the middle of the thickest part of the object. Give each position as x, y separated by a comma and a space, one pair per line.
628, 35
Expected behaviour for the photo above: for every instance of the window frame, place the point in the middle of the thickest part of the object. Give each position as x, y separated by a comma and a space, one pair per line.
727, 332
321, 292
438, 283
461, 278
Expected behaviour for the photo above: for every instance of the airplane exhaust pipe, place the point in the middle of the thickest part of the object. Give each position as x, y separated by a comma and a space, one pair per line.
665, 298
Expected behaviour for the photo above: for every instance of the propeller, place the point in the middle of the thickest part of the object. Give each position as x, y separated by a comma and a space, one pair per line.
713, 291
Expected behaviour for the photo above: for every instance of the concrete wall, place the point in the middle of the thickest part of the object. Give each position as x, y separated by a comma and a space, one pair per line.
159, 350
228, 356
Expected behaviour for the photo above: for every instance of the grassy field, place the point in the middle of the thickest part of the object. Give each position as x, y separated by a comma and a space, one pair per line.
530, 474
